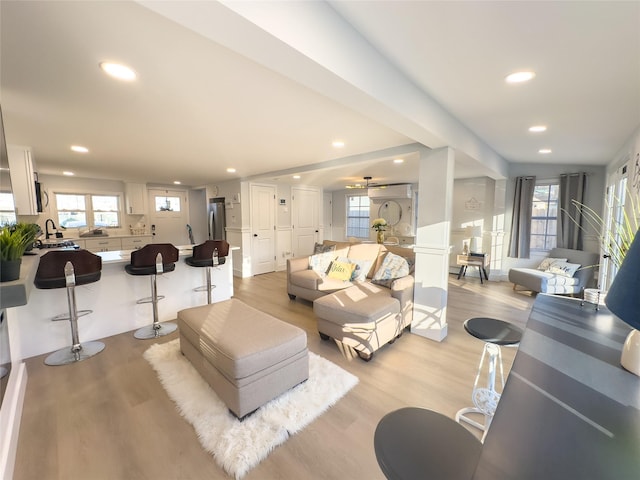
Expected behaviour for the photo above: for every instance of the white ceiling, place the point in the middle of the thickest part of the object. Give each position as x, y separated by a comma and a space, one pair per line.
233, 95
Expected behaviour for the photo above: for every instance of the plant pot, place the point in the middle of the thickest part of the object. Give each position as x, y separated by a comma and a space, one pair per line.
10, 270
380, 237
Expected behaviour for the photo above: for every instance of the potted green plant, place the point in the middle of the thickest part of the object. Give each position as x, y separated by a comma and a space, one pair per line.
14, 240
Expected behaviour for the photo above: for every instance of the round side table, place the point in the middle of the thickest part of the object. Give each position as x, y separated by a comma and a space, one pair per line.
417, 444
494, 333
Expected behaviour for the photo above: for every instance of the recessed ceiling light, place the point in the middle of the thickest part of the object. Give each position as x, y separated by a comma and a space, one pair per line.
544, 151
231, 170
519, 77
338, 144
177, 182
79, 149
68, 174
116, 70
398, 160
297, 177
538, 128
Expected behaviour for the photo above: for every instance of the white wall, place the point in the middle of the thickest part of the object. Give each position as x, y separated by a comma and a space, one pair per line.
52, 184
595, 191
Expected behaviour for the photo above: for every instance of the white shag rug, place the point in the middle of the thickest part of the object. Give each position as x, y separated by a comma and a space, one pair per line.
239, 446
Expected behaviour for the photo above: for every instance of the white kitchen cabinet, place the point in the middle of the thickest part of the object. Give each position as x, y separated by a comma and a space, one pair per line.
136, 198
103, 244
22, 179
134, 243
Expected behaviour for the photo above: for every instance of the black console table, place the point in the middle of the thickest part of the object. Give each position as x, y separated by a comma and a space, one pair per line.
568, 410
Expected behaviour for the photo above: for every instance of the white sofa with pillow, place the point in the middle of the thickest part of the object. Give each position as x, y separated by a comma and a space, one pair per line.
362, 293
564, 272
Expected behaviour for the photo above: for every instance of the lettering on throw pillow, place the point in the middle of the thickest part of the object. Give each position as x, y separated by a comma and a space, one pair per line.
341, 270
565, 269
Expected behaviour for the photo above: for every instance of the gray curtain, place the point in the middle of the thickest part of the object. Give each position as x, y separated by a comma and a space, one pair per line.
521, 220
570, 231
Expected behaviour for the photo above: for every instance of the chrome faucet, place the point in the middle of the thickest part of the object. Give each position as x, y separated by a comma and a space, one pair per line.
46, 228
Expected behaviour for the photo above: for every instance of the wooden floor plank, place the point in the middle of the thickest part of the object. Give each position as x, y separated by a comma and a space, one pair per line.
109, 417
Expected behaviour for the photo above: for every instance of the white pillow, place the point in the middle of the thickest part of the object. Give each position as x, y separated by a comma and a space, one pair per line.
361, 271
545, 265
564, 269
320, 262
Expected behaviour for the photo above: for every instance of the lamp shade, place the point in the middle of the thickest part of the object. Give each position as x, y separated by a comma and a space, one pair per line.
623, 297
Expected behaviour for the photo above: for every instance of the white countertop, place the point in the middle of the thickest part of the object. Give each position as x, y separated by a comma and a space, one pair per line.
124, 256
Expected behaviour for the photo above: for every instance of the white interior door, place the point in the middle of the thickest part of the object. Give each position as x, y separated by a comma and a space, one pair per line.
263, 225
304, 218
168, 216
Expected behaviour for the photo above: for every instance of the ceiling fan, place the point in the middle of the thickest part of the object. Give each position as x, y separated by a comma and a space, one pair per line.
367, 184
360, 185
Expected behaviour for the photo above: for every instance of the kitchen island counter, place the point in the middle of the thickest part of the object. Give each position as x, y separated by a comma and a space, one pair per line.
113, 301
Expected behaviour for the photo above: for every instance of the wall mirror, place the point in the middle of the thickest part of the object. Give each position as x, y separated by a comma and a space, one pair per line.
391, 211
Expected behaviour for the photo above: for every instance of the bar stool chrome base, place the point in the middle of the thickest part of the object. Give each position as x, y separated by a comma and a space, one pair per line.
148, 299
208, 287
66, 316
155, 330
73, 354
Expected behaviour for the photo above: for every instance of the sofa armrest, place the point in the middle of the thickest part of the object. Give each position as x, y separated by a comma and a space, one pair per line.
401, 284
402, 289
297, 264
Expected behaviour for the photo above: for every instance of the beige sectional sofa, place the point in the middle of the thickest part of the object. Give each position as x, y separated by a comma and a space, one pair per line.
361, 314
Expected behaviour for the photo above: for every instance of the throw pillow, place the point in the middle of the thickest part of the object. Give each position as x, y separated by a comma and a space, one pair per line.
322, 248
564, 269
547, 262
341, 270
393, 266
362, 269
320, 262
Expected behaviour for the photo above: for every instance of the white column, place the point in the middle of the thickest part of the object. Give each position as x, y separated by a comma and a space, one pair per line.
432, 243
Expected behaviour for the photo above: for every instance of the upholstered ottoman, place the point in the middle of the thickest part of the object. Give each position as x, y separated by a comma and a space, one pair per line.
247, 356
364, 316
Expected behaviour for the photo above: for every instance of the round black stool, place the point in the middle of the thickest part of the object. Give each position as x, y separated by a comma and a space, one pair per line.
494, 333
153, 259
209, 254
68, 269
417, 444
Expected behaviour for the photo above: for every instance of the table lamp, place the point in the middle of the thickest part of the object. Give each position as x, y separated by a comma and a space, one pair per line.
473, 232
623, 299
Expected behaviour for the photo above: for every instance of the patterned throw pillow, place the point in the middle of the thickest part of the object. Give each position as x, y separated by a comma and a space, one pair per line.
545, 265
320, 262
564, 269
322, 248
341, 270
393, 266
362, 269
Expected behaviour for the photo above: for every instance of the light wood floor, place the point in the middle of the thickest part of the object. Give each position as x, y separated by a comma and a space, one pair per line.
109, 418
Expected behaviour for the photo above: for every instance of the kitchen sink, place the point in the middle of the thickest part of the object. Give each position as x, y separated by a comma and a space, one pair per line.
94, 233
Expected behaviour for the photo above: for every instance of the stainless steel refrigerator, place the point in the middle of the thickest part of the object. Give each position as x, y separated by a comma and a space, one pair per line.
217, 220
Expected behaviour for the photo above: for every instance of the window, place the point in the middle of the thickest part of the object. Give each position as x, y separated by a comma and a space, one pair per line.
544, 217
358, 216
83, 210
7, 208
167, 204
